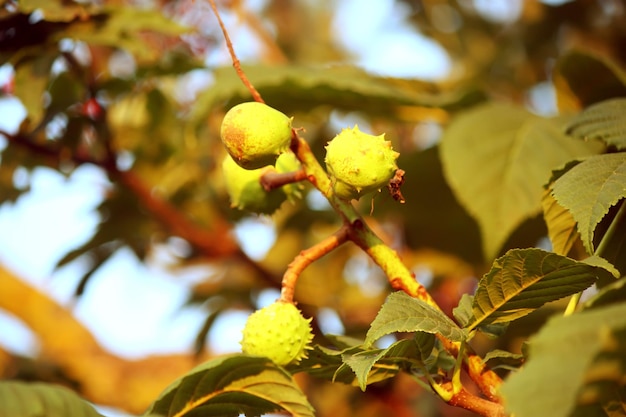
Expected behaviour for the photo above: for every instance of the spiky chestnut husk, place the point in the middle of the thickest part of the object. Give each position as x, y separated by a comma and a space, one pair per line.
359, 163
245, 191
279, 332
254, 134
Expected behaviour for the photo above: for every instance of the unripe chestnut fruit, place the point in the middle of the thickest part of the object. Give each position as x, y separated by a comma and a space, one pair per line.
254, 134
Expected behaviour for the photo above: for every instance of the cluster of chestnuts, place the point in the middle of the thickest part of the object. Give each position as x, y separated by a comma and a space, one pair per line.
257, 138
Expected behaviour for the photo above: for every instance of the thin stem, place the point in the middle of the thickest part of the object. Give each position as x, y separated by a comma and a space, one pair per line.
308, 256
572, 304
600, 250
236, 64
272, 179
478, 405
608, 236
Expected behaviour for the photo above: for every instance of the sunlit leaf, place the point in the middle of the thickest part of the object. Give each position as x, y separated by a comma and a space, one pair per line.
390, 360
54, 10
589, 189
576, 366
499, 358
230, 386
38, 399
291, 88
561, 225
583, 78
604, 121
525, 279
595, 260
403, 313
497, 158
125, 27
463, 312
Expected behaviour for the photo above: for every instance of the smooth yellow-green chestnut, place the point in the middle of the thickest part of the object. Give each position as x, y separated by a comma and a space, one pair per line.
245, 191
359, 163
278, 332
254, 134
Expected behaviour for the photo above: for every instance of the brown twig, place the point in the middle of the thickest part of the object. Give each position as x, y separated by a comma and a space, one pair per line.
478, 405
236, 64
272, 179
210, 243
308, 256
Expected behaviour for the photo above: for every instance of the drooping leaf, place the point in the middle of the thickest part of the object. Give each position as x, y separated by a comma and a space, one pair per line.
525, 279
403, 313
589, 189
390, 360
561, 225
40, 399
584, 78
499, 358
576, 366
604, 121
463, 312
497, 158
230, 386
292, 88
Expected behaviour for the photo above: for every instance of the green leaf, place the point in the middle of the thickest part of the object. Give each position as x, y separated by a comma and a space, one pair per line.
576, 366
463, 312
403, 313
561, 225
124, 27
496, 158
525, 279
54, 10
31, 81
499, 358
604, 121
589, 189
596, 260
583, 78
292, 88
390, 361
232, 385
39, 399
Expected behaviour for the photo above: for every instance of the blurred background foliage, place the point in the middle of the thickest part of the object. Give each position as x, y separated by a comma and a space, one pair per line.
138, 89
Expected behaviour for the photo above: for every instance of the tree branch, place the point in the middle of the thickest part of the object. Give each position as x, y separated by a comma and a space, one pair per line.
210, 243
66, 344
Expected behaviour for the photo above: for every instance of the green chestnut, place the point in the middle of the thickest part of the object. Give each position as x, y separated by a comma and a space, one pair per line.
359, 163
254, 134
245, 191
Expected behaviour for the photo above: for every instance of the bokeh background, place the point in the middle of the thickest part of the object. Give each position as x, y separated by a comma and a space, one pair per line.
97, 246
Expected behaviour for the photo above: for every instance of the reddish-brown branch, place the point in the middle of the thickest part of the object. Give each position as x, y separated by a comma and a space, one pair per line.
66, 344
308, 256
478, 405
236, 64
211, 243
272, 180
